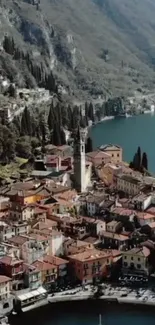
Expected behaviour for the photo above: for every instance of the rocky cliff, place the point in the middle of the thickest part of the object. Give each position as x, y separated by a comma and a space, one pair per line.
93, 47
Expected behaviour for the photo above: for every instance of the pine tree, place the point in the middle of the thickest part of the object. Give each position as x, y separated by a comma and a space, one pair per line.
145, 161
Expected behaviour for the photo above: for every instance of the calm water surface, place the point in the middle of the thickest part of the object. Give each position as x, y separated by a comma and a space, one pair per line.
83, 314
129, 133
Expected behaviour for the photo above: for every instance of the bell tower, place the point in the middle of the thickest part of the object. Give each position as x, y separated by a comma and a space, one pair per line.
79, 161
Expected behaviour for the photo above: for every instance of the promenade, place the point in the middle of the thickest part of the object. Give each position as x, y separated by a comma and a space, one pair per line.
110, 294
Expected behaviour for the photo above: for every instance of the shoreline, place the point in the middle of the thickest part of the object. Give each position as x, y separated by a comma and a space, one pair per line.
73, 306
118, 296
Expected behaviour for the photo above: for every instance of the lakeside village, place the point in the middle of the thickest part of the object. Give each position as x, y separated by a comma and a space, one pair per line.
85, 219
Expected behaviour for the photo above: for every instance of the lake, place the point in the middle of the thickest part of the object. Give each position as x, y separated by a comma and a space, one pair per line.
87, 313
129, 133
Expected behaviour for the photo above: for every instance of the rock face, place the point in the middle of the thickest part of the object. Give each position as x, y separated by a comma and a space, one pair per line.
87, 47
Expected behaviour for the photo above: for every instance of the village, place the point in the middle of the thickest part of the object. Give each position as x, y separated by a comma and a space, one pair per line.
80, 219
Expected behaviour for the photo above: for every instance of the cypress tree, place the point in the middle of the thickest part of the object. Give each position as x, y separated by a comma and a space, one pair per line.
56, 135
23, 126
91, 112
51, 117
139, 158
86, 112
136, 161
145, 161
89, 145
63, 137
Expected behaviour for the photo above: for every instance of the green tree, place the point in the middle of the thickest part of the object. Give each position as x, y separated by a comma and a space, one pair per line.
136, 161
43, 128
12, 91
26, 127
139, 158
56, 135
91, 112
62, 136
51, 117
23, 147
145, 161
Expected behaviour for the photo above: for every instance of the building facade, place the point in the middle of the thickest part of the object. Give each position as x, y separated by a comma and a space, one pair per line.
115, 151
128, 184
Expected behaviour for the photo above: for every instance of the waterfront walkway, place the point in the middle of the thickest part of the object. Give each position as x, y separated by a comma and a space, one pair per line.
110, 294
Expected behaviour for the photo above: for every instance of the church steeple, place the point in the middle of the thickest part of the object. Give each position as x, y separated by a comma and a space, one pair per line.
79, 160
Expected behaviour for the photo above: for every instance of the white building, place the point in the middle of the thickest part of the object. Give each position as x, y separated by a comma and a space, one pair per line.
57, 239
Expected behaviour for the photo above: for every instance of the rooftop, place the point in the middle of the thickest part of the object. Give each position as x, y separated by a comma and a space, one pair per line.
18, 240
98, 154
140, 251
122, 211
114, 236
144, 215
89, 255
55, 260
110, 147
43, 266
8, 260
130, 179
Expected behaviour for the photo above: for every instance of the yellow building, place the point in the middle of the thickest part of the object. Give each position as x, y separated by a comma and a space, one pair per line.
5, 287
115, 151
136, 260
48, 272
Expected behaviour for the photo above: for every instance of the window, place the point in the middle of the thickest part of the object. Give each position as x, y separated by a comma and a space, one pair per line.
131, 258
125, 264
112, 155
139, 259
118, 155
125, 257
138, 266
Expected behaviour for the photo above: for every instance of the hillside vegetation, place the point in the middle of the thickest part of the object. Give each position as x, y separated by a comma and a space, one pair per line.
93, 47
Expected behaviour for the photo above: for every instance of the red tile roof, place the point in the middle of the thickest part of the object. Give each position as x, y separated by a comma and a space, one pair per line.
54, 260
43, 266
8, 260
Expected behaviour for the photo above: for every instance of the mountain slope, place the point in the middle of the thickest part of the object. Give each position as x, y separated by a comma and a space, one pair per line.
89, 46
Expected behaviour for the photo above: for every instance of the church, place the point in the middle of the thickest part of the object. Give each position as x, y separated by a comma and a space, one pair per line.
82, 168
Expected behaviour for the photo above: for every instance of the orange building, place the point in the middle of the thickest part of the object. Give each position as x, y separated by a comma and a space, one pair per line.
90, 265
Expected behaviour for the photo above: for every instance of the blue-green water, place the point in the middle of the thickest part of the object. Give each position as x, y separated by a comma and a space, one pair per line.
129, 133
